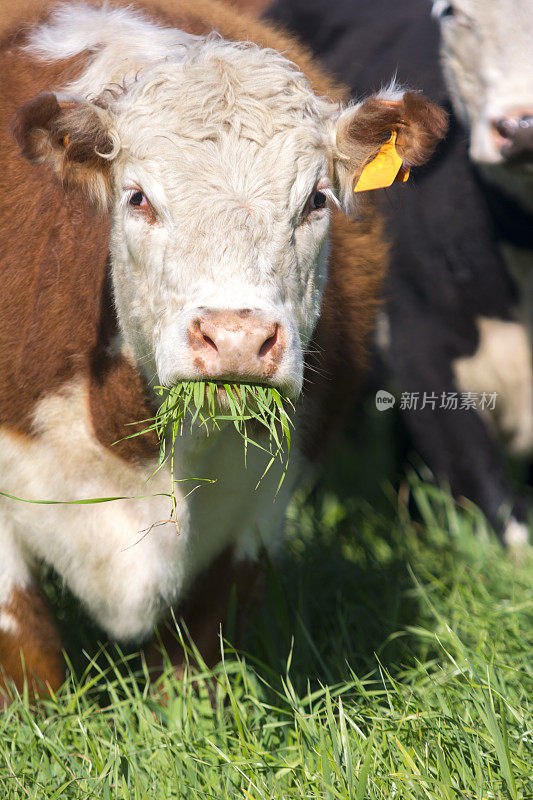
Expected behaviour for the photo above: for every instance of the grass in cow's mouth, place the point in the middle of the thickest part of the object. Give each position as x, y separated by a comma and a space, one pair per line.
252, 409
208, 404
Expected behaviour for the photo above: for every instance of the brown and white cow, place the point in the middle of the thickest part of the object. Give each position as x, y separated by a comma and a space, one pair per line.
166, 197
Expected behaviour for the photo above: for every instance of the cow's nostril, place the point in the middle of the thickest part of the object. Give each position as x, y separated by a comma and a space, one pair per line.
268, 344
526, 123
210, 342
507, 127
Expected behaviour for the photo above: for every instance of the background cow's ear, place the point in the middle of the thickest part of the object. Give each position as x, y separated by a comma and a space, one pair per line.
76, 137
362, 130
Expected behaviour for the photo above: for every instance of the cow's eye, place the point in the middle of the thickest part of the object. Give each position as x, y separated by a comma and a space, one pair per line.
137, 199
319, 200
442, 8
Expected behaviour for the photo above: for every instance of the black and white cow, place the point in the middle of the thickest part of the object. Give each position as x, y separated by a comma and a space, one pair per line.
452, 323
487, 59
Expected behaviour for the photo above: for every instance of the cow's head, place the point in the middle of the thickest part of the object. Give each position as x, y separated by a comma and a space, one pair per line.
488, 63
220, 173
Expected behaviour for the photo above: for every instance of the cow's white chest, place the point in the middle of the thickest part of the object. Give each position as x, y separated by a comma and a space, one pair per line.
125, 559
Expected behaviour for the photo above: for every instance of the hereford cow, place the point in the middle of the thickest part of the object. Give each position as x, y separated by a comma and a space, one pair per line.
487, 56
452, 323
488, 63
166, 199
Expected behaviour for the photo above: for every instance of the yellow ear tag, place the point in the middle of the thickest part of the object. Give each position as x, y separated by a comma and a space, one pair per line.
384, 170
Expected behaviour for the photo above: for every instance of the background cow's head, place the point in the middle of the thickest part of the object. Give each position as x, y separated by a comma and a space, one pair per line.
488, 63
220, 170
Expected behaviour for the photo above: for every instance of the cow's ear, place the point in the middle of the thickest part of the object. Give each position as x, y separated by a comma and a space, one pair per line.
76, 137
383, 137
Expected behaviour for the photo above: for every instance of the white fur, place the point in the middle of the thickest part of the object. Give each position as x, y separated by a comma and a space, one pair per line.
503, 364
15, 569
516, 534
125, 576
122, 41
488, 60
8, 623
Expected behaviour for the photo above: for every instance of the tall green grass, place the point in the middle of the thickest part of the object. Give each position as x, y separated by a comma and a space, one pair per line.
392, 659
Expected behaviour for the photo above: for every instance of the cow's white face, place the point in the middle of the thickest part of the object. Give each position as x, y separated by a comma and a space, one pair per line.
220, 167
220, 203
487, 56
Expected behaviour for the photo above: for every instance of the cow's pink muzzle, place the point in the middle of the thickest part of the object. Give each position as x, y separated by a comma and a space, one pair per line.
237, 345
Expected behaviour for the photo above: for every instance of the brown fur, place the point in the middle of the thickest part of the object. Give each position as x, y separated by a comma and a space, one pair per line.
419, 124
38, 641
54, 252
31, 122
70, 136
339, 348
421, 128
255, 7
113, 409
205, 611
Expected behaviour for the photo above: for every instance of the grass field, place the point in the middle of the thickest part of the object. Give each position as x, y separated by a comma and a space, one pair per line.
392, 658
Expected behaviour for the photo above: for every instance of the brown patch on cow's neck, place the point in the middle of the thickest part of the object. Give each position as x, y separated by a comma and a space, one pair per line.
54, 249
118, 395
118, 398
34, 635
357, 264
